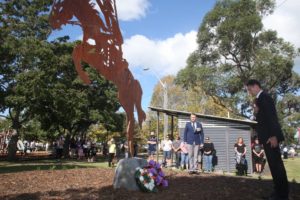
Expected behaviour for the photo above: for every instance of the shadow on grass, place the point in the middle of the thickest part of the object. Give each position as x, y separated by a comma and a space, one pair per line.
48, 164
184, 187
22, 168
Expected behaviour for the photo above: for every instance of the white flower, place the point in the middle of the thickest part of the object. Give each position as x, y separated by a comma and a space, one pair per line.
141, 178
151, 186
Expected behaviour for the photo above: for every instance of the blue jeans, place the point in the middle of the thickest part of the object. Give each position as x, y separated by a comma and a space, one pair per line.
177, 158
184, 159
167, 155
208, 162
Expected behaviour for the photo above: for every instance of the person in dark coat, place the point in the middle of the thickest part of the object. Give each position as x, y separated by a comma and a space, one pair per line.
270, 135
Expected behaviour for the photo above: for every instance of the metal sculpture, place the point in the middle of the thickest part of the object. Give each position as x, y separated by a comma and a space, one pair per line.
105, 55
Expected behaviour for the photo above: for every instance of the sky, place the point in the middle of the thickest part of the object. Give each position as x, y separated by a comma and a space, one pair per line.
161, 34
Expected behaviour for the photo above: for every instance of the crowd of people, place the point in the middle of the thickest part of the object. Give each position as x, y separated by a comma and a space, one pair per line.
193, 149
194, 153
186, 156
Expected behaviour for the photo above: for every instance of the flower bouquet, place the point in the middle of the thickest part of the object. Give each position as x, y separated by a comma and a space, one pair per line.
150, 177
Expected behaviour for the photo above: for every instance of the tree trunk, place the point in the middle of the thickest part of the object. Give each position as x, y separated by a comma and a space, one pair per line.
12, 147
66, 149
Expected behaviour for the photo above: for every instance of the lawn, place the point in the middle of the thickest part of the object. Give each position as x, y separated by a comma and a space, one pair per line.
293, 169
292, 166
72, 179
10, 167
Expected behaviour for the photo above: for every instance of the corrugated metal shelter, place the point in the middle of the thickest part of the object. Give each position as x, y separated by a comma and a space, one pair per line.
223, 132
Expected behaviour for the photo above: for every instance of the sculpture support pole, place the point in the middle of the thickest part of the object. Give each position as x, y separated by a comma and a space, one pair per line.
130, 138
157, 137
165, 107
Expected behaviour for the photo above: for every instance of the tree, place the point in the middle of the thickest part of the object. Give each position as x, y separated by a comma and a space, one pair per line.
289, 114
233, 47
23, 32
31, 131
39, 81
102, 132
61, 102
191, 100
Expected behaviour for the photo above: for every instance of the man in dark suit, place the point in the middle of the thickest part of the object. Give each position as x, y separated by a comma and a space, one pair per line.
193, 137
270, 135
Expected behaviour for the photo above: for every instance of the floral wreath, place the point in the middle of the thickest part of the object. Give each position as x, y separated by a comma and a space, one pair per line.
149, 177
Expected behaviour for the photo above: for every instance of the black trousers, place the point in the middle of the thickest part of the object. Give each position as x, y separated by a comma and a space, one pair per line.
277, 169
110, 158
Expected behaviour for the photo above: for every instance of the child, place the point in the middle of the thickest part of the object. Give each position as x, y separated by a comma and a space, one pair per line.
258, 156
240, 152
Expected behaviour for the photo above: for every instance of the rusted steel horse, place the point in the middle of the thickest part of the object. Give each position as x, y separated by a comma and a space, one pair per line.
105, 55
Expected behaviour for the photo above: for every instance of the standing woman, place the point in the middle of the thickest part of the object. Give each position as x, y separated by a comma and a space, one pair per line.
240, 152
167, 148
258, 155
208, 149
112, 150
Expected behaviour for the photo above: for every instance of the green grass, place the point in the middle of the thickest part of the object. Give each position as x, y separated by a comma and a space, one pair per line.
292, 166
10, 167
293, 169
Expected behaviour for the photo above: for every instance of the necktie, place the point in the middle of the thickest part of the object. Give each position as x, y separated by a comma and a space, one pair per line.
194, 126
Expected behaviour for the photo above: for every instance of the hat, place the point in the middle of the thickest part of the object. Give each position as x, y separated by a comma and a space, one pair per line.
152, 133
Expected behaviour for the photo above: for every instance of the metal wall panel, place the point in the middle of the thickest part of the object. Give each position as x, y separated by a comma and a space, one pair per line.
224, 136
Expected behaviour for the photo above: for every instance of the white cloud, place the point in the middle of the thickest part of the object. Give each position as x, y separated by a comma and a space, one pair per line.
163, 56
285, 20
130, 9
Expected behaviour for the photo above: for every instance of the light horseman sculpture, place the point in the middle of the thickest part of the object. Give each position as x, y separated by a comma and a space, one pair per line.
105, 55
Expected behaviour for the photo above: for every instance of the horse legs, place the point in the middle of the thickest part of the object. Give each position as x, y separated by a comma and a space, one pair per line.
130, 132
77, 56
128, 105
138, 102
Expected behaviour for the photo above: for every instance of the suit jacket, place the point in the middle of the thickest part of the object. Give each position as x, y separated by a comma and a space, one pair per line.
267, 120
191, 135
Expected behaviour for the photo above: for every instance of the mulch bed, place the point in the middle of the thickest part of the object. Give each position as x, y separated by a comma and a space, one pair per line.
96, 183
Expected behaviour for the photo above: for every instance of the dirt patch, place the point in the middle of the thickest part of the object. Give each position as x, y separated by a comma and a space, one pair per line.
96, 183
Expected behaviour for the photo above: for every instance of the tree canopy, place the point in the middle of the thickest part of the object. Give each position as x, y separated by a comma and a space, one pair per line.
40, 88
179, 98
233, 47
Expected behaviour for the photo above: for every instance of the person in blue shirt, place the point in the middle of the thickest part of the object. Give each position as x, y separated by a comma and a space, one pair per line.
193, 137
152, 142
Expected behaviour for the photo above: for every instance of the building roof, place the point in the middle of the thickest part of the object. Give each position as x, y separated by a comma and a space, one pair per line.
177, 113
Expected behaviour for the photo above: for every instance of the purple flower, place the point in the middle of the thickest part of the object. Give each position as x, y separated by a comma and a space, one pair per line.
160, 173
158, 180
165, 183
157, 165
152, 171
152, 163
